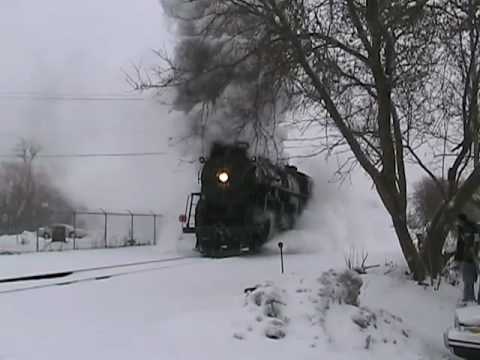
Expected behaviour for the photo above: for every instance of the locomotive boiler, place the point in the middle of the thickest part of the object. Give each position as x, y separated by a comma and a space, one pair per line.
243, 201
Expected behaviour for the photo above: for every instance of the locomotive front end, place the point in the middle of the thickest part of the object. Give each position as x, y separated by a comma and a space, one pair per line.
225, 177
221, 213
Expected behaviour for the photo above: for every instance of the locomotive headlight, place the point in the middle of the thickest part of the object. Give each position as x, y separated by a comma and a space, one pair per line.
223, 177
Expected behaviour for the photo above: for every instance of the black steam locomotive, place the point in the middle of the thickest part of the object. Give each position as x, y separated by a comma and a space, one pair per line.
243, 201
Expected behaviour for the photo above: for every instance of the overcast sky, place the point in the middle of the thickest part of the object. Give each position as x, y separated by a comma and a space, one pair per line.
81, 48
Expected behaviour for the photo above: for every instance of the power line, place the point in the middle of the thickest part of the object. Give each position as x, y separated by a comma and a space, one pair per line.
92, 155
42, 96
153, 153
68, 98
46, 93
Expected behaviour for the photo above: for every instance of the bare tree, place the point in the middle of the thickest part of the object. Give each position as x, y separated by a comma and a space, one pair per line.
27, 151
27, 194
374, 74
425, 200
458, 75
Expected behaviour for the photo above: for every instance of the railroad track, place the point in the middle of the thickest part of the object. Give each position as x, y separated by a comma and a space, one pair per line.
75, 276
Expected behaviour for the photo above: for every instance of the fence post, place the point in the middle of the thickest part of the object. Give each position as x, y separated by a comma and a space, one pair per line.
74, 229
154, 229
131, 226
105, 228
105, 233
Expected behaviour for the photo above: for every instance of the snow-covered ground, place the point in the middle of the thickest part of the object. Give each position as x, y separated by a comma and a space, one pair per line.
30, 242
197, 309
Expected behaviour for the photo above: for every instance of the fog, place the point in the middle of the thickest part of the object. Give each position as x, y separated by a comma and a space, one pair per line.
61, 65
62, 84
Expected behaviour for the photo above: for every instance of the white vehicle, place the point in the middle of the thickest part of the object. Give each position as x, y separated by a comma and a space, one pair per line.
46, 232
463, 339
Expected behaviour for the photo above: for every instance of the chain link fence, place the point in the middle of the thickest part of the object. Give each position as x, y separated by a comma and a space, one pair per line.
87, 230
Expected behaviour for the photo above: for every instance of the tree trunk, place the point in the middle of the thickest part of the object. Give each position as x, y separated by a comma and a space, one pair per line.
433, 250
476, 126
435, 240
398, 213
443, 219
410, 253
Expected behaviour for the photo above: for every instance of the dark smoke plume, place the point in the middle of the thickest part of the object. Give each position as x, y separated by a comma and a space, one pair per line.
226, 74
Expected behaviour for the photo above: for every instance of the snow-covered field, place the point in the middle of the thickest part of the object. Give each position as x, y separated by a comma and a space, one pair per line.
197, 309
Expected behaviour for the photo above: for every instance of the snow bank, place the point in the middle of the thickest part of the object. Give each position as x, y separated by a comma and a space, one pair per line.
13, 244
327, 314
27, 242
267, 303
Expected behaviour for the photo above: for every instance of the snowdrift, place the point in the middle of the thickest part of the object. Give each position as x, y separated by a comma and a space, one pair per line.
325, 312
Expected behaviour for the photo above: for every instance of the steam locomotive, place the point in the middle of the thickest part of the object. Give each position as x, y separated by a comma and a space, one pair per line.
243, 201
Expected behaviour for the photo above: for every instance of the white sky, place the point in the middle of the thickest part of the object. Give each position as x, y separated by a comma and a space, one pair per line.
82, 47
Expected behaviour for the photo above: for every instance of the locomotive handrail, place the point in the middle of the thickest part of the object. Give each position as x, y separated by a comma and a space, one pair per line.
188, 213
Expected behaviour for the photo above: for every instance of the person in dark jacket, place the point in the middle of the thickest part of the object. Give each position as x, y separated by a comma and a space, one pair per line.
466, 254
